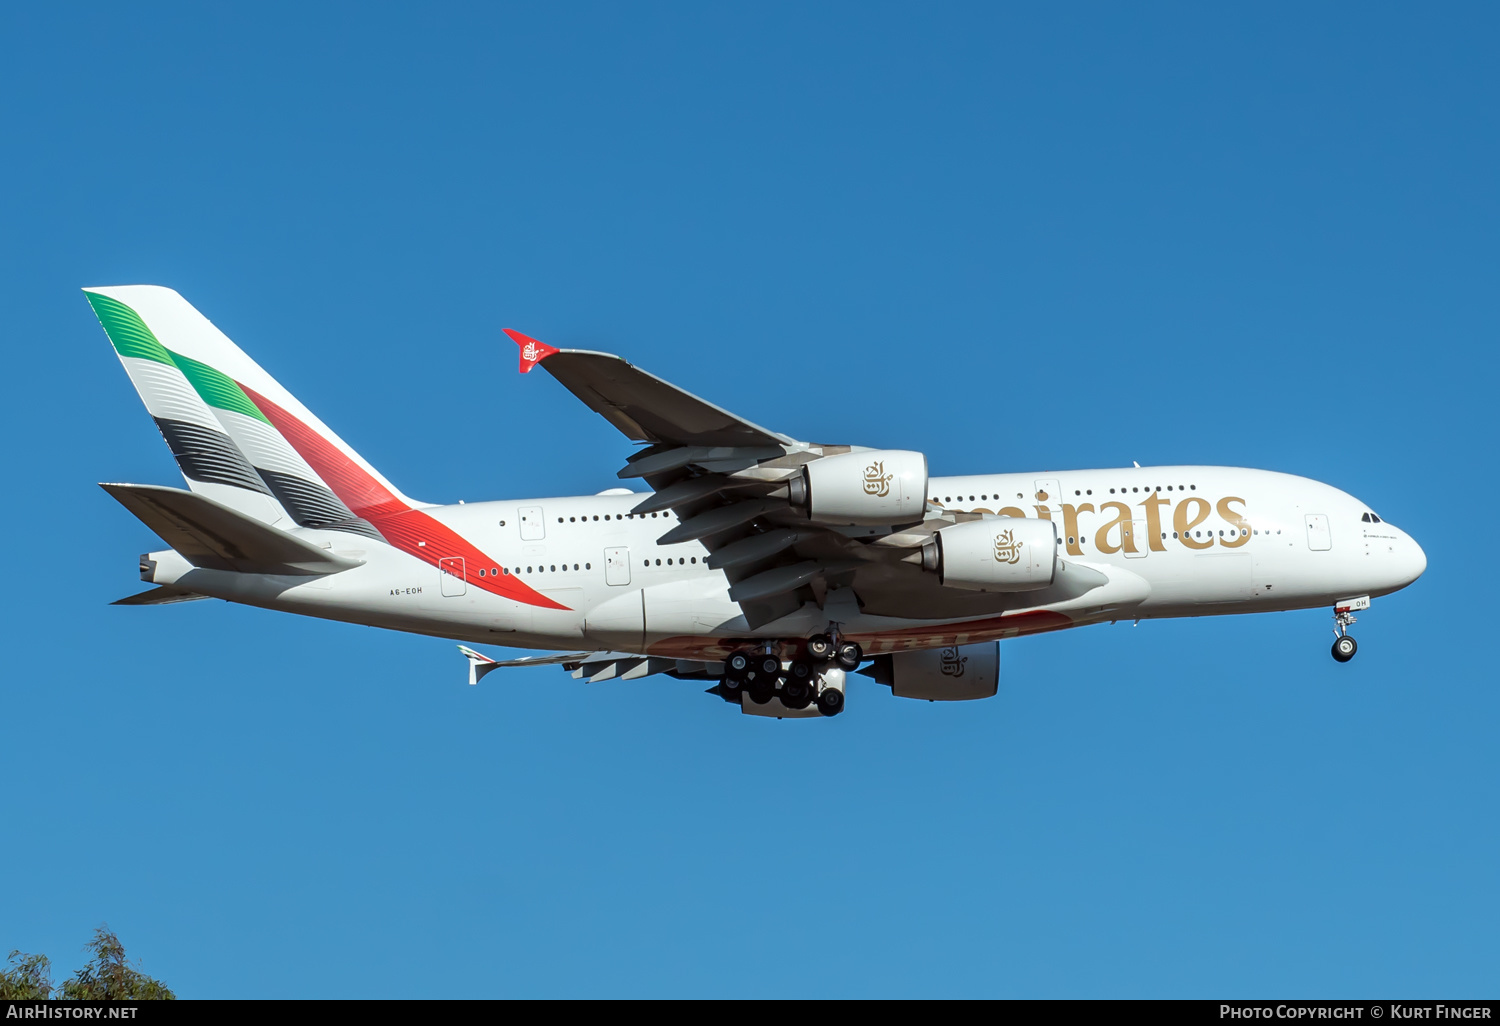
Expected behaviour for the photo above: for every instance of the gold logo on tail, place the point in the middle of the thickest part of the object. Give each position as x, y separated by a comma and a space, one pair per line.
951, 663
877, 481
1007, 549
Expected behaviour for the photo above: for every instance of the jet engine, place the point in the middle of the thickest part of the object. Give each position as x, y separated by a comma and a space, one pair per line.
954, 674
994, 554
875, 487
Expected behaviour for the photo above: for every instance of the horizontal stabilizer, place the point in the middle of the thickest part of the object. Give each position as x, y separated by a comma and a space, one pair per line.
160, 596
210, 535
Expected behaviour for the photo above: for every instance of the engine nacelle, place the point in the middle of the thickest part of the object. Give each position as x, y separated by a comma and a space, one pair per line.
994, 554
954, 674
875, 487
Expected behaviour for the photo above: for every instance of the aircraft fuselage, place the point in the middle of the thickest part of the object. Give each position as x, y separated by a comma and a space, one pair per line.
1174, 541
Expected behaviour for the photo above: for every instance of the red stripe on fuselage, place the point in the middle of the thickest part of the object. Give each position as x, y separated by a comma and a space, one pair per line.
407, 529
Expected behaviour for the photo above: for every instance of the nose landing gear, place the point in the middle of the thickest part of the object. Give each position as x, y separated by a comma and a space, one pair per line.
1344, 646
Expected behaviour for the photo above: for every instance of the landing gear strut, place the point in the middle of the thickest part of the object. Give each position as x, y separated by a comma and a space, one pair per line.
1344, 646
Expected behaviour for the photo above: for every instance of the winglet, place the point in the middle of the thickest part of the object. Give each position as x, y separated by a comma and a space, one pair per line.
532, 351
479, 665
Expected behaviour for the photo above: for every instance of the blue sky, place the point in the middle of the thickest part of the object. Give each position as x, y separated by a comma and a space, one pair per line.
1014, 238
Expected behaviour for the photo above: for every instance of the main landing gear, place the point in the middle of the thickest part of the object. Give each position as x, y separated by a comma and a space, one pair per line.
846, 653
813, 678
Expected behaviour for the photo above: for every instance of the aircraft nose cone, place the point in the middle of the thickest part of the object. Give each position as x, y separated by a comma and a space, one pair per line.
1411, 561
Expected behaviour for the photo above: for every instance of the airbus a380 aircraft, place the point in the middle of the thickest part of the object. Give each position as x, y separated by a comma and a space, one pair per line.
767, 565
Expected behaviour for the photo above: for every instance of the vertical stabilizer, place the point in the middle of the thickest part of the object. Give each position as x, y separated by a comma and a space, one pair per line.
246, 442
210, 461
230, 424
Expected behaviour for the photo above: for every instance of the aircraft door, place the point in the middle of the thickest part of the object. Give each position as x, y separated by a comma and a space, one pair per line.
617, 565
1135, 533
1319, 537
533, 527
1048, 494
451, 576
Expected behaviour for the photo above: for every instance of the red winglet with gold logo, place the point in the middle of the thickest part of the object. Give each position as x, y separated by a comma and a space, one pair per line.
532, 351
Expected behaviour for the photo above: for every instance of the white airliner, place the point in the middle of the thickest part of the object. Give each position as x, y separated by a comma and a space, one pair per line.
764, 564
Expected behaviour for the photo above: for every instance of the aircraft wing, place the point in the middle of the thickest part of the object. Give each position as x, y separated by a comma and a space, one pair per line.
644, 407
595, 666
732, 485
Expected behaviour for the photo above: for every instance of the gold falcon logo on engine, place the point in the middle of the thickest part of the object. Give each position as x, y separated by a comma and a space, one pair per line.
951, 663
877, 481
1007, 549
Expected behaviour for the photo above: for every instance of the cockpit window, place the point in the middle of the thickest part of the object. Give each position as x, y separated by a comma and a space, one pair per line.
1370, 518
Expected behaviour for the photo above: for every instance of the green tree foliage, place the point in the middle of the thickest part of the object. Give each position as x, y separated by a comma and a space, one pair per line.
109, 976
29, 978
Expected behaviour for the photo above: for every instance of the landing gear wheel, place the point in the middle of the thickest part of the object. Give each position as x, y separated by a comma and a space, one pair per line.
736, 666
820, 647
796, 694
800, 670
761, 689
1344, 649
831, 702
849, 656
767, 666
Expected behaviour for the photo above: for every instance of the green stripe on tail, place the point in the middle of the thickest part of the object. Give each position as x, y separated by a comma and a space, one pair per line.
127, 332
130, 337
216, 387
